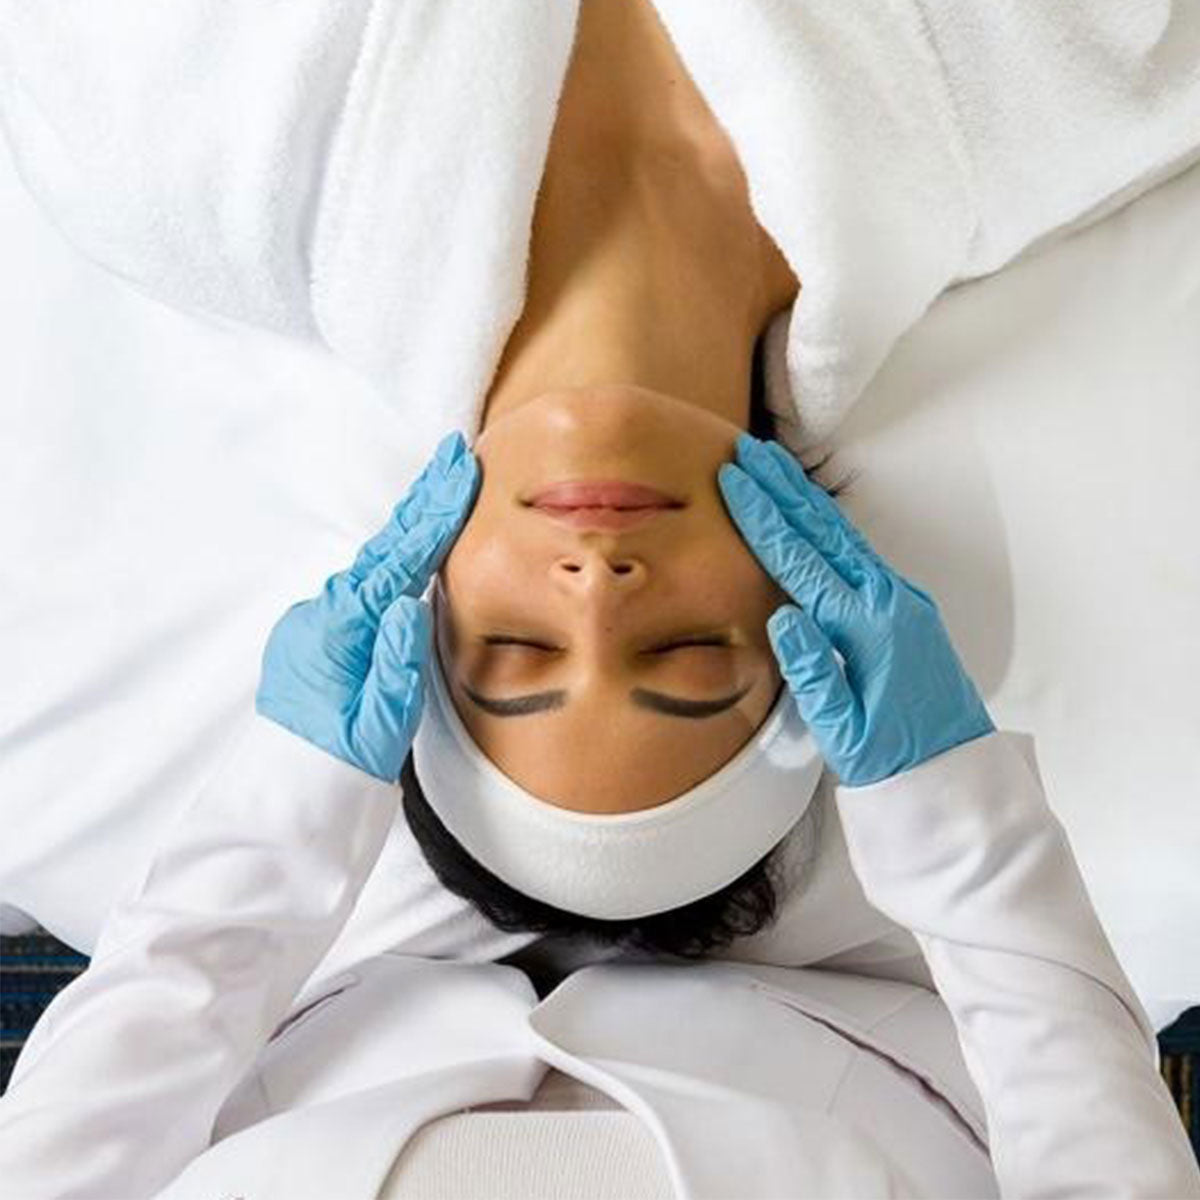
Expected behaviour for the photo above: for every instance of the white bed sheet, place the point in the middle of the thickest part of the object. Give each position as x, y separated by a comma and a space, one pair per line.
1029, 453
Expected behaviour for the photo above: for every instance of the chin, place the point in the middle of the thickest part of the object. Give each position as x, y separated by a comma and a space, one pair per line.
614, 431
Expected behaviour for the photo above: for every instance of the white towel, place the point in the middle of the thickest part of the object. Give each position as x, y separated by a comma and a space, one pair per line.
365, 173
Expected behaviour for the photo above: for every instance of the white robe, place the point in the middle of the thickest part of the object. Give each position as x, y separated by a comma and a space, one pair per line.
193, 1026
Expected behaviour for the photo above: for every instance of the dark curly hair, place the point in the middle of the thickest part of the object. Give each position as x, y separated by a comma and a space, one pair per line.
741, 908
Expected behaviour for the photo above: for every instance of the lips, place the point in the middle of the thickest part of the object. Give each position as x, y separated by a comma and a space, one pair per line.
609, 494
604, 504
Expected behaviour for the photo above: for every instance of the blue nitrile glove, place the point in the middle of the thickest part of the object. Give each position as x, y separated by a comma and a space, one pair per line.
344, 669
903, 696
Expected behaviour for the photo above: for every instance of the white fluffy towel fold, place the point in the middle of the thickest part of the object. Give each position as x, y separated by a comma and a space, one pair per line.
365, 173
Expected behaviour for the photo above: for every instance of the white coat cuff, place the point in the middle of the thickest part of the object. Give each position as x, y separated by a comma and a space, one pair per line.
964, 847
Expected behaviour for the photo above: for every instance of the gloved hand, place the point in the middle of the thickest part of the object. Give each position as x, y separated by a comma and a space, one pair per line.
903, 696
344, 669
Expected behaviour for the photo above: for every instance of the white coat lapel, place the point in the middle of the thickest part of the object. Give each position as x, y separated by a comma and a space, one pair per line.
743, 1098
908, 1024
717, 1070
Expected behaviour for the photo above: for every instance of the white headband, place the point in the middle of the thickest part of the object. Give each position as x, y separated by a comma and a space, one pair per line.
617, 865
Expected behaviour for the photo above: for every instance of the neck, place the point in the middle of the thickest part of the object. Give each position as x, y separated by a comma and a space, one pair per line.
650, 285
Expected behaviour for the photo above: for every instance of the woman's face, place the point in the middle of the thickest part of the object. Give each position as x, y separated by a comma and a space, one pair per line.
602, 605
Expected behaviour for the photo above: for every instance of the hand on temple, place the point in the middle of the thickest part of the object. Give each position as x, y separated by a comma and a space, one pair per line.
902, 695
344, 670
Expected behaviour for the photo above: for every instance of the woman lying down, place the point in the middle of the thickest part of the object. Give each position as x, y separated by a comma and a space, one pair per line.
698, 799
651, 637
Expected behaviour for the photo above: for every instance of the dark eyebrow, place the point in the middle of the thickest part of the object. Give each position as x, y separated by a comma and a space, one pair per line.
674, 706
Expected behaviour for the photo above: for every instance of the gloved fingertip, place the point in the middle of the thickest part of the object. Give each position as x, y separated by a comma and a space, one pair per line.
450, 449
464, 467
779, 634
783, 620
737, 485
747, 445
728, 473
793, 633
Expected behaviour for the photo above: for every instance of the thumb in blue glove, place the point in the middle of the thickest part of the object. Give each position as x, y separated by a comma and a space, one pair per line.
900, 694
345, 670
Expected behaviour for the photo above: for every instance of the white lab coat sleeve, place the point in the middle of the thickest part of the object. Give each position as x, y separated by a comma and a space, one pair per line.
117, 1088
964, 850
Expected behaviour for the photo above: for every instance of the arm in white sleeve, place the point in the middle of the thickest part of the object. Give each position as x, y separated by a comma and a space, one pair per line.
118, 1085
964, 851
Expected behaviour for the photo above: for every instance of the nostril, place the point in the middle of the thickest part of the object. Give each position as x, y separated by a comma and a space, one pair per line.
616, 568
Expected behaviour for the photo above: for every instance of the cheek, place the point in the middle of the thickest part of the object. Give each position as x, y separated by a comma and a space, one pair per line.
745, 584
484, 560
751, 594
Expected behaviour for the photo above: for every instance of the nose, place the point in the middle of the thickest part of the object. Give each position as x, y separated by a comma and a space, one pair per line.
602, 571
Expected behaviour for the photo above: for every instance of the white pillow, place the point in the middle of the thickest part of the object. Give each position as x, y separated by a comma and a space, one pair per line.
170, 484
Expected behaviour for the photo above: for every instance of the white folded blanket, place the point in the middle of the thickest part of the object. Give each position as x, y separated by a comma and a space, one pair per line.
366, 173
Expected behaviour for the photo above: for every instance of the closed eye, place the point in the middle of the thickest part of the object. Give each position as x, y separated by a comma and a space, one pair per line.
673, 706
665, 648
690, 642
